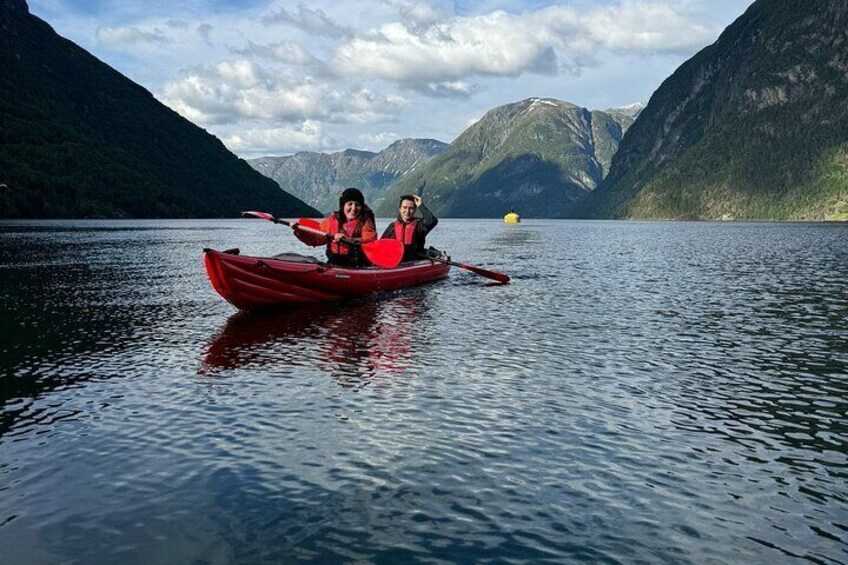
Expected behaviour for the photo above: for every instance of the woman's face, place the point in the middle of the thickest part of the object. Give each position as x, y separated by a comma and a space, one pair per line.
351, 209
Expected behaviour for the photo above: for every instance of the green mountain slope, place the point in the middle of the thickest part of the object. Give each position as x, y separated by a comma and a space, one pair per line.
78, 139
754, 126
539, 156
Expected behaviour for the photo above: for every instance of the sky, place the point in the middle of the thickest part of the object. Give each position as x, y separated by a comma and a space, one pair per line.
274, 77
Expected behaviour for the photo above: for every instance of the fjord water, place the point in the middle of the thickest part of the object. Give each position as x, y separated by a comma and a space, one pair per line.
655, 392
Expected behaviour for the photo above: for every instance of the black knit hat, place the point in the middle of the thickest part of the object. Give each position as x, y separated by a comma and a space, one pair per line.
351, 194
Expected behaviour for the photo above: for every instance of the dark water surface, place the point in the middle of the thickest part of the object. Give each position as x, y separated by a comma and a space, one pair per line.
642, 392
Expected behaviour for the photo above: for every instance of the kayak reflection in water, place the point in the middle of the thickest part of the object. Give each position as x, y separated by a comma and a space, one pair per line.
408, 229
371, 339
353, 220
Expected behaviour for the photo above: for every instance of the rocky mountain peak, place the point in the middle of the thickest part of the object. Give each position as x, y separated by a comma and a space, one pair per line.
532, 103
318, 178
537, 155
426, 147
633, 110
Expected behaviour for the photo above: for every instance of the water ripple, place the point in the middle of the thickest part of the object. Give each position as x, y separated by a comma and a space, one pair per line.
641, 392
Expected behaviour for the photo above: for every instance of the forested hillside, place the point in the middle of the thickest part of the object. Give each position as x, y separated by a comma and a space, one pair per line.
78, 139
754, 126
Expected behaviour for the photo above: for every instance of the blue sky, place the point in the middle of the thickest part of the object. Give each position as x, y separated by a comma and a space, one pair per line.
272, 77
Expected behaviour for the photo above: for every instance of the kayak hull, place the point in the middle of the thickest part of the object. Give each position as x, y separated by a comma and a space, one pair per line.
252, 283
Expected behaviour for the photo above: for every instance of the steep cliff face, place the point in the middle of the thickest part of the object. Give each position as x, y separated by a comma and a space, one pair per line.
754, 126
538, 156
319, 178
78, 139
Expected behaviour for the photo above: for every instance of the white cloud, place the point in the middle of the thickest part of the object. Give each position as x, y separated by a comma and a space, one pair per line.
646, 27
129, 35
419, 14
546, 41
288, 52
447, 89
464, 47
380, 139
241, 89
311, 21
308, 135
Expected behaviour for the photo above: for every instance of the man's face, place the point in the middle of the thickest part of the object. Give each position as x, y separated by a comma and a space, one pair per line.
407, 210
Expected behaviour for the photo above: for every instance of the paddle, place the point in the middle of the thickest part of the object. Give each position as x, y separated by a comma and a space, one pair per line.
500, 277
307, 237
385, 253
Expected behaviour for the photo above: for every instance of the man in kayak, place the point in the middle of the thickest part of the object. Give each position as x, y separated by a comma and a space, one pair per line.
408, 229
353, 220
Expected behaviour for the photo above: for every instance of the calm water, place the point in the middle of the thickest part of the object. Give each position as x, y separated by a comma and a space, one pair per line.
642, 392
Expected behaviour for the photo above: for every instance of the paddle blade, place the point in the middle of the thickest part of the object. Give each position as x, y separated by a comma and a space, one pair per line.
500, 277
386, 253
262, 215
309, 223
308, 238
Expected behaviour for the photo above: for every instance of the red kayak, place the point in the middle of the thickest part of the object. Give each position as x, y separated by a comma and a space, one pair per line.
250, 283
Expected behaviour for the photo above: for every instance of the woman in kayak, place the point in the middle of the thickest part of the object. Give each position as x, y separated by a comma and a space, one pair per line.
353, 220
408, 229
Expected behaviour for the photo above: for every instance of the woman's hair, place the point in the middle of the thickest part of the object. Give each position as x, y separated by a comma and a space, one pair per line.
351, 194
355, 195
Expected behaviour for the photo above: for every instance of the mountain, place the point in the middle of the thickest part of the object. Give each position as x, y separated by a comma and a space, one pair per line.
538, 156
754, 126
630, 111
319, 178
78, 139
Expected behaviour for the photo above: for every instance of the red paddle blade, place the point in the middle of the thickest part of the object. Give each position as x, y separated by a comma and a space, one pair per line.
308, 238
309, 223
263, 215
385, 253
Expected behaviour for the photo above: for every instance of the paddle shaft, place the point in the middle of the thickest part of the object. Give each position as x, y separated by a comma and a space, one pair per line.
325, 235
500, 277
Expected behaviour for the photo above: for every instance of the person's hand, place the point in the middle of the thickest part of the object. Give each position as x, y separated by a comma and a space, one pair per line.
417, 200
338, 237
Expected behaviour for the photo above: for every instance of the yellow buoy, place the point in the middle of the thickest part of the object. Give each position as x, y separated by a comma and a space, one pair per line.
512, 218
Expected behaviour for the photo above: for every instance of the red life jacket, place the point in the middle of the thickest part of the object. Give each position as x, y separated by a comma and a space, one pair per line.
405, 232
349, 229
